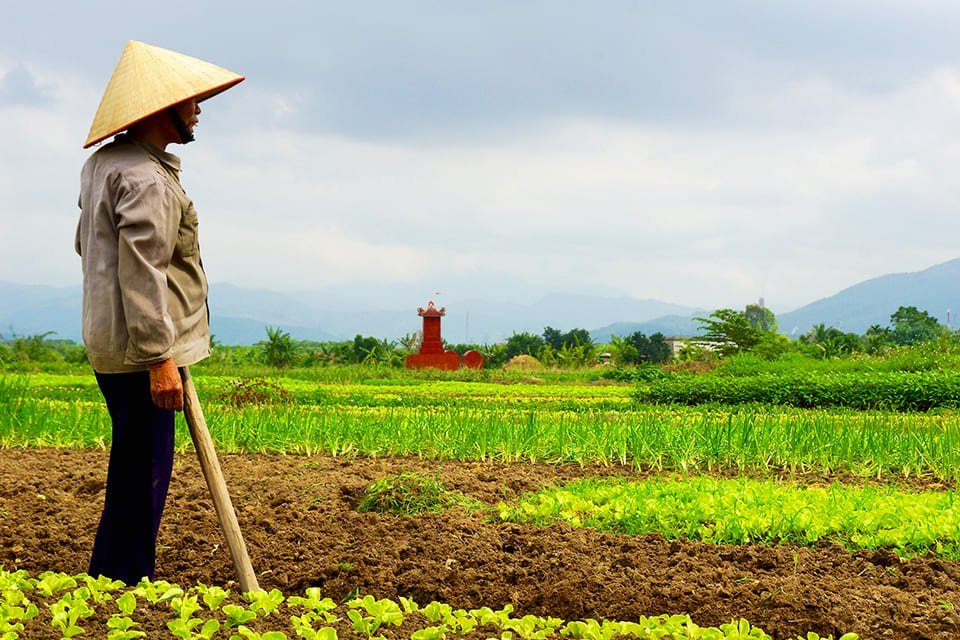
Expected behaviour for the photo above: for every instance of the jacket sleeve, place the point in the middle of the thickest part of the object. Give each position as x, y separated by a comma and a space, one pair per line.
147, 223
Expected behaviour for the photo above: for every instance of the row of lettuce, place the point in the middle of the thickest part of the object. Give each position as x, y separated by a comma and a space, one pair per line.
744, 510
734, 511
56, 605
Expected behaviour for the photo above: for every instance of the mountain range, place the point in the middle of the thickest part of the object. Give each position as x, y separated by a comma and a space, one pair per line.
239, 315
935, 290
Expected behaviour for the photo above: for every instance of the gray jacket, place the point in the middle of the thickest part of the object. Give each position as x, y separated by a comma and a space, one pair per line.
144, 290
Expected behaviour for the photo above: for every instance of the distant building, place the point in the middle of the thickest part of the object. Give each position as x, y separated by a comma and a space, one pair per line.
431, 354
677, 344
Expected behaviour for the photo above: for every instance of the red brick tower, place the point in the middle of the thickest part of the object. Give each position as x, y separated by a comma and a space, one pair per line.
432, 343
432, 354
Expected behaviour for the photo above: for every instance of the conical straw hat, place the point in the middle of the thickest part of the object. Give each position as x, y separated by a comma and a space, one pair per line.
149, 79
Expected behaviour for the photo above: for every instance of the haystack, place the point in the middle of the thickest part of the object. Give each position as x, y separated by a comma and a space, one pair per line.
523, 362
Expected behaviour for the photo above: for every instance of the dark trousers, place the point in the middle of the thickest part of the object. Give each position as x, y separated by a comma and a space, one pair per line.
141, 461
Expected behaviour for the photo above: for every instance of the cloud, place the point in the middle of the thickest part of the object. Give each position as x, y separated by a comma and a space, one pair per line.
19, 87
702, 153
592, 202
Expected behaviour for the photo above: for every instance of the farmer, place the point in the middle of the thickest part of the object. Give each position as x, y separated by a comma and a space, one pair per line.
144, 291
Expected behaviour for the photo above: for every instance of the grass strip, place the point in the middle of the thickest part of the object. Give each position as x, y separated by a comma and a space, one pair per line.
877, 443
741, 511
372, 393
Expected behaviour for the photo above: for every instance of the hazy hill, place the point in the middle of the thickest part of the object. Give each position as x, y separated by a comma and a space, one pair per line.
854, 309
468, 320
29, 310
667, 325
935, 290
239, 315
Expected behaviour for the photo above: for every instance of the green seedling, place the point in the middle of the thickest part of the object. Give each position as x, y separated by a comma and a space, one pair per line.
15, 609
67, 611
303, 627
212, 596
122, 628
430, 633
184, 628
461, 622
237, 615
314, 603
486, 615
16, 580
159, 591
741, 630
264, 603
409, 606
364, 625
100, 588
380, 612
185, 606
49, 583
185, 624
127, 603
590, 629
437, 612
531, 627
244, 633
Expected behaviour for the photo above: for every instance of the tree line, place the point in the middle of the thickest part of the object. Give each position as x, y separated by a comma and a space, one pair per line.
754, 330
723, 333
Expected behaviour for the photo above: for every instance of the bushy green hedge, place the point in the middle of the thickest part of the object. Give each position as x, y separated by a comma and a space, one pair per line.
890, 390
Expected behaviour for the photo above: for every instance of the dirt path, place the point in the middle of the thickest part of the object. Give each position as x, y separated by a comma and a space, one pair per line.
302, 530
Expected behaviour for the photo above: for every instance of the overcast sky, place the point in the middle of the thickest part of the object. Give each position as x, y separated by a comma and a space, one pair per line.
702, 153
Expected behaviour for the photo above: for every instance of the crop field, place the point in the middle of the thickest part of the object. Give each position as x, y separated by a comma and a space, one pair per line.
465, 506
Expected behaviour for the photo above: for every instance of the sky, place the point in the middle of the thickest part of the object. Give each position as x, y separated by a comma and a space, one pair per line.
701, 153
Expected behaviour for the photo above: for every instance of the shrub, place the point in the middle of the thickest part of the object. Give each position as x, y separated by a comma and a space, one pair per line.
241, 393
409, 493
890, 390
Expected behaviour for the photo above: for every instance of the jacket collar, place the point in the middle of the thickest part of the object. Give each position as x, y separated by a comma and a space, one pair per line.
168, 160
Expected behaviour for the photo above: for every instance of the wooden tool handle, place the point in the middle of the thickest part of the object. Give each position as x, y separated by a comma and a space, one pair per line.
218, 487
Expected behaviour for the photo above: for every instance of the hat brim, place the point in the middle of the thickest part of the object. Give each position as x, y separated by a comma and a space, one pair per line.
205, 95
148, 80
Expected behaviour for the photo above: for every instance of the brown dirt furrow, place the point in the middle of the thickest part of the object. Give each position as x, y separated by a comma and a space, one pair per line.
302, 530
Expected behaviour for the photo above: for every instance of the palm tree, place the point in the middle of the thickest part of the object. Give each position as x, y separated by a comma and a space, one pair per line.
279, 349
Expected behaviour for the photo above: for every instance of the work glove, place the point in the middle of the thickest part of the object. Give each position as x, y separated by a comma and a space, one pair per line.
166, 387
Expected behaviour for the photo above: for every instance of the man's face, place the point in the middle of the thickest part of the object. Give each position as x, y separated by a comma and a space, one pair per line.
188, 111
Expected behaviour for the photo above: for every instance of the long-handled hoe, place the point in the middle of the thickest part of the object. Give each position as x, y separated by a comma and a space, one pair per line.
218, 487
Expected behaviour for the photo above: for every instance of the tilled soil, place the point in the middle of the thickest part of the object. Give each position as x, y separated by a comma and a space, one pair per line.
301, 528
